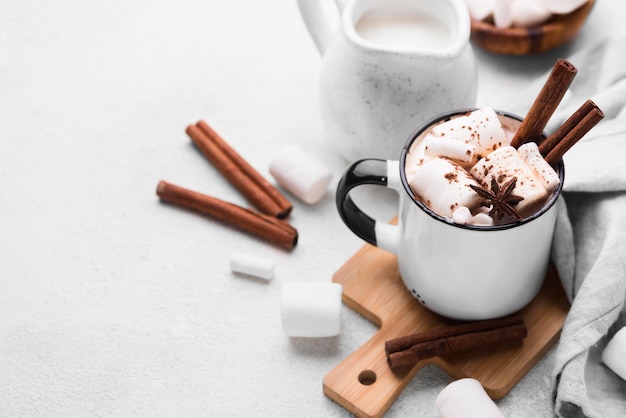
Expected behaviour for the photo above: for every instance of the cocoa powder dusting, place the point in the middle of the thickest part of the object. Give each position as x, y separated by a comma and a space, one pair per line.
451, 177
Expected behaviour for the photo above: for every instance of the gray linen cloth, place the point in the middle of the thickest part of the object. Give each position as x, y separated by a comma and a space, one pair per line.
589, 246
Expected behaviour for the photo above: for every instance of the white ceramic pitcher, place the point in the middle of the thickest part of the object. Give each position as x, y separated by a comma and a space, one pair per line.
388, 66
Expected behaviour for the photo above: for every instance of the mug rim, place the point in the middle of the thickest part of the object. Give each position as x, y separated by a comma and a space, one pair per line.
447, 115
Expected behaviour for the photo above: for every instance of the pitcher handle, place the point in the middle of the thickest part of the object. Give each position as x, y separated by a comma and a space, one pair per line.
369, 171
321, 18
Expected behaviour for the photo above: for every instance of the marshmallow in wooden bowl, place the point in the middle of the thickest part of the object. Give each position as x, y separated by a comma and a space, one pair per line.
311, 309
520, 13
528, 13
522, 27
614, 355
480, 9
300, 174
466, 398
502, 13
562, 6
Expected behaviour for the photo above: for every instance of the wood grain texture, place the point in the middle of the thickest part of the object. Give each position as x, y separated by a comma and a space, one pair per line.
365, 385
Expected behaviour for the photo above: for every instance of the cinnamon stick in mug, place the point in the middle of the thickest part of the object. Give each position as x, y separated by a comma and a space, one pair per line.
413, 348
546, 102
267, 227
263, 195
571, 131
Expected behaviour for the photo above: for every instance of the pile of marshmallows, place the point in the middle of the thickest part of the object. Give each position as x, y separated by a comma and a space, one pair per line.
520, 13
470, 150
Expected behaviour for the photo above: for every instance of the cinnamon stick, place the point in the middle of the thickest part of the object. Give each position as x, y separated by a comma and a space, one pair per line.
413, 348
571, 131
263, 195
546, 102
267, 227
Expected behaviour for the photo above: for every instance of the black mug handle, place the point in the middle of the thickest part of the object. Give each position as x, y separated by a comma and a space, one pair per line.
368, 171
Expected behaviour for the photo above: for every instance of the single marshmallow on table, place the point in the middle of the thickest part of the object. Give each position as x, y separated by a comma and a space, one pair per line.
310, 309
466, 398
614, 355
251, 265
300, 174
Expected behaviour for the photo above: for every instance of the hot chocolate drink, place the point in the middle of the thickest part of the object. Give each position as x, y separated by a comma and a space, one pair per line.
465, 170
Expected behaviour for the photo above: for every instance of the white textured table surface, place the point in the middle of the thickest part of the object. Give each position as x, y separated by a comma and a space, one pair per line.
114, 304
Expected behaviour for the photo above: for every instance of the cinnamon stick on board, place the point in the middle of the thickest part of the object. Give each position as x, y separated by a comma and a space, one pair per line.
267, 227
546, 102
413, 348
571, 131
263, 195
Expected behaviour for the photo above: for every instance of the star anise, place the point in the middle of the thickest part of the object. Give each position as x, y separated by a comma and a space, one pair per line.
501, 199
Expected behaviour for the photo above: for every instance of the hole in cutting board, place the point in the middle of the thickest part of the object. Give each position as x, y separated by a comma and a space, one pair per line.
367, 377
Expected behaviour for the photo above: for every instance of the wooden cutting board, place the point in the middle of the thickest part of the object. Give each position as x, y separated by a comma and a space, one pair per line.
366, 386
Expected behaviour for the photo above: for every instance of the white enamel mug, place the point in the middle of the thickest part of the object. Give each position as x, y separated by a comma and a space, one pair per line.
463, 272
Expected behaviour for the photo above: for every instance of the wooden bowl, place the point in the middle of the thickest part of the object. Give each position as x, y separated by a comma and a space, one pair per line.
559, 30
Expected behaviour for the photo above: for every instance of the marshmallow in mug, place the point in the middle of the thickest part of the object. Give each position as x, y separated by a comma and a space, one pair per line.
520, 13
443, 185
480, 132
441, 173
508, 162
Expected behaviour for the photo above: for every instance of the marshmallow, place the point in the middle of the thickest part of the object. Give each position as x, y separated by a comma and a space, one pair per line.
544, 171
482, 219
443, 186
614, 355
300, 174
504, 164
479, 9
462, 215
481, 128
458, 151
251, 265
527, 13
562, 6
466, 398
311, 309
502, 17
416, 158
